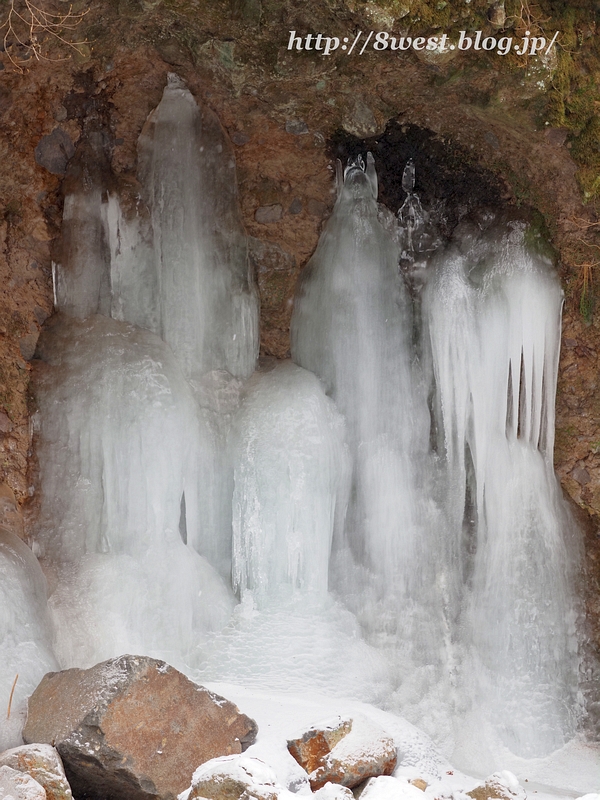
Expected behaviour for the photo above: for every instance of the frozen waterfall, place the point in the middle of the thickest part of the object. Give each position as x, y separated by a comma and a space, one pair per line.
379, 519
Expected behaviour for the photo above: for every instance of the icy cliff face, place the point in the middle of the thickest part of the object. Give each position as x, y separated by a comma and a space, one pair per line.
25, 645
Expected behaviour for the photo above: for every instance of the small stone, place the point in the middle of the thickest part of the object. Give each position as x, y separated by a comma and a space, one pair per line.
43, 763
6, 425
384, 787
266, 215
297, 127
419, 783
268, 257
499, 786
40, 314
581, 475
360, 121
15, 785
54, 151
492, 140
27, 345
240, 138
295, 206
497, 14
313, 745
109, 722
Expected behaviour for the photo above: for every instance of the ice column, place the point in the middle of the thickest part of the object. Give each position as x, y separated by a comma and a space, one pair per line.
290, 475
120, 443
493, 308
208, 305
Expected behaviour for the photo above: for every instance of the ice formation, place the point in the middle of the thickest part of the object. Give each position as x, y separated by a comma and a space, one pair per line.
493, 309
410, 475
121, 441
289, 483
25, 641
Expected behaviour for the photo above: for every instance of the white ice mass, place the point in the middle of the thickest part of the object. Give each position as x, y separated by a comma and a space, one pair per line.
378, 521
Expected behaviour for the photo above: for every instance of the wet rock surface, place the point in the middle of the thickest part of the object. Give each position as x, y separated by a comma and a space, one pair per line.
133, 727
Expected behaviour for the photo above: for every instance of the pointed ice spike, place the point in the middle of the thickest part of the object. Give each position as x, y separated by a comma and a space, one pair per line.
408, 177
339, 176
372, 174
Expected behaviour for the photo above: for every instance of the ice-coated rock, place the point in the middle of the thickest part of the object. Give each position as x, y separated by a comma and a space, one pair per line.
133, 727
43, 763
345, 752
25, 636
15, 785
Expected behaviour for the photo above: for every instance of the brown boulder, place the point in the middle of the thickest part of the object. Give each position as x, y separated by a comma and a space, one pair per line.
345, 752
235, 778
43, 763
133, 727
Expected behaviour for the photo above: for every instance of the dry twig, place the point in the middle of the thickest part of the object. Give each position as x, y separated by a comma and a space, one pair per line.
27, 25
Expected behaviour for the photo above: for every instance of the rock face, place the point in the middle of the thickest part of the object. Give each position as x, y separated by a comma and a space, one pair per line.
15, 785
41, 762
344, 751
133, 727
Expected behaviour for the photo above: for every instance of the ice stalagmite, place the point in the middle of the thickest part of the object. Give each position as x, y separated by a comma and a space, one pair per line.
25, 637
290, 490
493, 309
208, 307
120, 445
290, 480
353, 327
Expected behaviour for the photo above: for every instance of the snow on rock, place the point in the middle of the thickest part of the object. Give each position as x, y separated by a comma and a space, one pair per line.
312, 745
350, 752
25, 634
233, 778
385, 787
333, 791
41, 762
15, 785
502, 785
133, 727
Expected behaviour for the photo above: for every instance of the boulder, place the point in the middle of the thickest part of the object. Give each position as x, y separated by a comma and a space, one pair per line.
234, 778
344, 751
15, 785
43, 763
499, 786
133, 727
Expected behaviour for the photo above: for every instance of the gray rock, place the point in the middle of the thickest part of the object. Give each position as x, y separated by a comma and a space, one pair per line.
295, 206
133, 727
296, 126
268, 214
54, 151
269, 257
